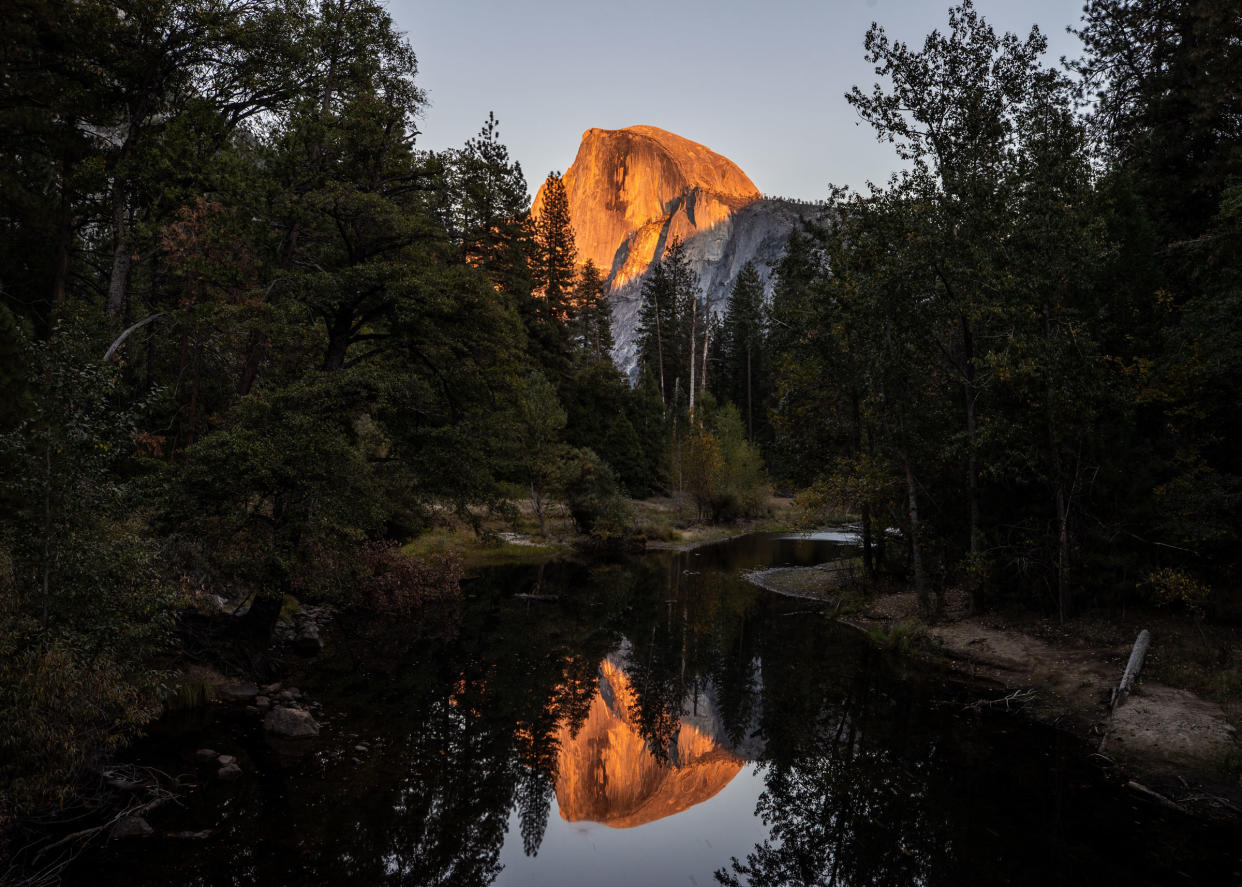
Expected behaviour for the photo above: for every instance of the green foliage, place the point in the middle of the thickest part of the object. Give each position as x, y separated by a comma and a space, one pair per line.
82, 604
555, 273
669, 328
595, 497
723, 471
744, 369
538, 447
1173, 586
591, 323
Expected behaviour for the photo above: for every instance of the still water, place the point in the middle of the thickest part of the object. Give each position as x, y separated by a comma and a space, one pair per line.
660, 721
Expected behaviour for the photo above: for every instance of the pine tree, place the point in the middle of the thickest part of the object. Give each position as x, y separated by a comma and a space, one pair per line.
489, 215
592, 316
554, 272
743, 351
656, 321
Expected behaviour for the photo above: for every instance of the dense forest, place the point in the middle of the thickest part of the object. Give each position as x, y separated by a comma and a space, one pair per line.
253, 338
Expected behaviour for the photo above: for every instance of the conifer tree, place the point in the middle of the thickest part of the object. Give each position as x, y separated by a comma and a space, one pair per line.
592, 316
554, 273
743, 352
489, 215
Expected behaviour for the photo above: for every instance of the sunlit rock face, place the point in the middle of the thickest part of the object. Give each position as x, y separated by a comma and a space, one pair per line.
647, 182
608, 774
633, 191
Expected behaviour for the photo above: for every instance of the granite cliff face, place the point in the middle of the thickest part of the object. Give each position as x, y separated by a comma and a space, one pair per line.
632, 191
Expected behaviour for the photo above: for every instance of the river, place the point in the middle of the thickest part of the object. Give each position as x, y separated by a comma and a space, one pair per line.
657, 721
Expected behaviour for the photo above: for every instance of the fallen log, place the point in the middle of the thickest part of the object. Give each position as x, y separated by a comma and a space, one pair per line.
1133, 667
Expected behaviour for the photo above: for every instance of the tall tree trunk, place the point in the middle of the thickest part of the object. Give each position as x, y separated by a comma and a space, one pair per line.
250, 366
536, 498
1063, 594
60, 270
1060, 499
118, 282
707, 335
660, 350
973, 587
750, 422
916, 549
694, 305
339, 333
868, 558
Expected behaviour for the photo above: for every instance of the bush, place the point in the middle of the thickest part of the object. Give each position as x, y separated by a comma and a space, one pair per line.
400, 585
594, 496
724, 472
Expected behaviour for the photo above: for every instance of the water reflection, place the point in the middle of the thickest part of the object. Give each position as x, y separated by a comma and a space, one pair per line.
607, 773
501, 731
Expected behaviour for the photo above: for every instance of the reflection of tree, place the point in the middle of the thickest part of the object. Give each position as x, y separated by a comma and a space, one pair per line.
471, 719
848, 780
534, 802
849, 816
689, 633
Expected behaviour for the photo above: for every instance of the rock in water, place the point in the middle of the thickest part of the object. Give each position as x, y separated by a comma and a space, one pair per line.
631, 191
292, 723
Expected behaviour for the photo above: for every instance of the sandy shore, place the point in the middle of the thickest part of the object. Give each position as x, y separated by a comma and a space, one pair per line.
1172, 742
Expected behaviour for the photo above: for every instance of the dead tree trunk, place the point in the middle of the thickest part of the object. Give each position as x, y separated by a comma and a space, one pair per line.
1133, 667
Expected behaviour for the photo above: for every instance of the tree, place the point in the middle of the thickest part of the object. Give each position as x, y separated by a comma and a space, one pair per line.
591, 323
540, 450
554, 269
488, 214
668, 326
83, 600
1163, 75
986, 129
743, 350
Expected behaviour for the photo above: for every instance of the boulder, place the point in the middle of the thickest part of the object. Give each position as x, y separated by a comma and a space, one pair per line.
238, 692
229, 772
306, 640
292, 723
132, 827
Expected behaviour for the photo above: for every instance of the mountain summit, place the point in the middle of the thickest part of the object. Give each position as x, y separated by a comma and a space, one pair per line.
632, 191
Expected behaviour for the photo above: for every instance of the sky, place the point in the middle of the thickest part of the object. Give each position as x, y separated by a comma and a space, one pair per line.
761, 82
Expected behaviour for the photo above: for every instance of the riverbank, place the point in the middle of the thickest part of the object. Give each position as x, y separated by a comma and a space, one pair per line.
659, 522
671, 526
1178, 734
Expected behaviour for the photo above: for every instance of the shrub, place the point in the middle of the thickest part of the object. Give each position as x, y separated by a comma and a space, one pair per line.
400, 585
594, 496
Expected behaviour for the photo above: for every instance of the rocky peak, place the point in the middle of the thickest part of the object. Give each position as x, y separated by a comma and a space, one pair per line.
630, 189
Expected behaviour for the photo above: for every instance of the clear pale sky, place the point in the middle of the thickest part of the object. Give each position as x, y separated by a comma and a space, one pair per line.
760, 82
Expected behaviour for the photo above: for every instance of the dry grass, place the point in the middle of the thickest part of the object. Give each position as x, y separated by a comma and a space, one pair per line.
476, 552
667, 522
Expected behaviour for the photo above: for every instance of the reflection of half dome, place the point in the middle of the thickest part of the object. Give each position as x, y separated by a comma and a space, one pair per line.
607, 774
